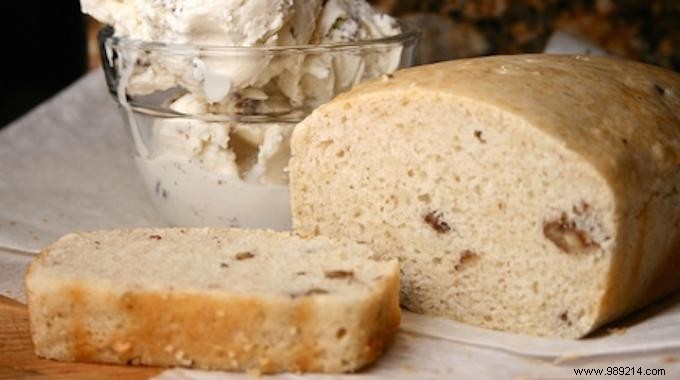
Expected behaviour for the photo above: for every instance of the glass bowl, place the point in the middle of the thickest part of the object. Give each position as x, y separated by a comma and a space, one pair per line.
210, 125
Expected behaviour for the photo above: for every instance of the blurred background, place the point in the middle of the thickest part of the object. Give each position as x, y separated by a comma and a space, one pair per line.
49, 45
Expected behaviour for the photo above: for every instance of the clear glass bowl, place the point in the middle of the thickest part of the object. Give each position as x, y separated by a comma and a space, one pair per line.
210, 125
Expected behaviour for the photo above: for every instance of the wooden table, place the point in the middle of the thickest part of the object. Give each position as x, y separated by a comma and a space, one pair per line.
17, 360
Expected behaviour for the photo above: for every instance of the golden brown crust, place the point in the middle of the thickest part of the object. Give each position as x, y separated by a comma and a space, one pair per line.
666, 278
29, 294
184, 330
647, 261
386, 317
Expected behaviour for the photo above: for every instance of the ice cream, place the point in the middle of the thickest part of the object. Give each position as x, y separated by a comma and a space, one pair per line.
261, 23
186, 194
255, 152
209, 22
202, 172
232, 110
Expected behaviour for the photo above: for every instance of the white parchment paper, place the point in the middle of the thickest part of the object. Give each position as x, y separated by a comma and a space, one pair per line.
68, 166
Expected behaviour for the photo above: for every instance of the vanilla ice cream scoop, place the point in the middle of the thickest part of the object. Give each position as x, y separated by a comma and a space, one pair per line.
353, 20
208, 22
261, 23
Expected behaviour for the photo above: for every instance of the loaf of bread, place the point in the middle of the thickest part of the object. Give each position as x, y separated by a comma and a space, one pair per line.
212, 298
533, 194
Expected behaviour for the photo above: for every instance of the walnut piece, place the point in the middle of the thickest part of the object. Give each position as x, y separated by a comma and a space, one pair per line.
244, 256
310, 292
313, 291
564, 317
478, 135
339, 274
466, 256
564, 234
434, 220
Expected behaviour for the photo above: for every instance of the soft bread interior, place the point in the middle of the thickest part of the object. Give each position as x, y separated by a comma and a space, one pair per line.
495, 223
213, 299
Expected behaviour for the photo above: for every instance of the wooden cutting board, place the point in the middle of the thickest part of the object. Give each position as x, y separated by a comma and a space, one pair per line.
17, 360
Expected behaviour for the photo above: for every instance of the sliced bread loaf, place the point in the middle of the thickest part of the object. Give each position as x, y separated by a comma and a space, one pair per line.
534, 194
212, 298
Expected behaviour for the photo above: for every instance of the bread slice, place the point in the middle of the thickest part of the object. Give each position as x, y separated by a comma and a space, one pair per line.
535, 194
212, 298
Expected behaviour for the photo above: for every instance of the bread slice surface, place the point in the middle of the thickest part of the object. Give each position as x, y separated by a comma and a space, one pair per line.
212, 298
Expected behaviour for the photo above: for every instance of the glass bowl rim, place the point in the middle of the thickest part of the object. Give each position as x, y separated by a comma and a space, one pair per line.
409, 34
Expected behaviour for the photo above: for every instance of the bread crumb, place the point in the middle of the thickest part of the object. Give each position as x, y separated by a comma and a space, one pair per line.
182, 359
387, 77
121, 347
134, 361
566, 357
617, 330
255, 372
670, 359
